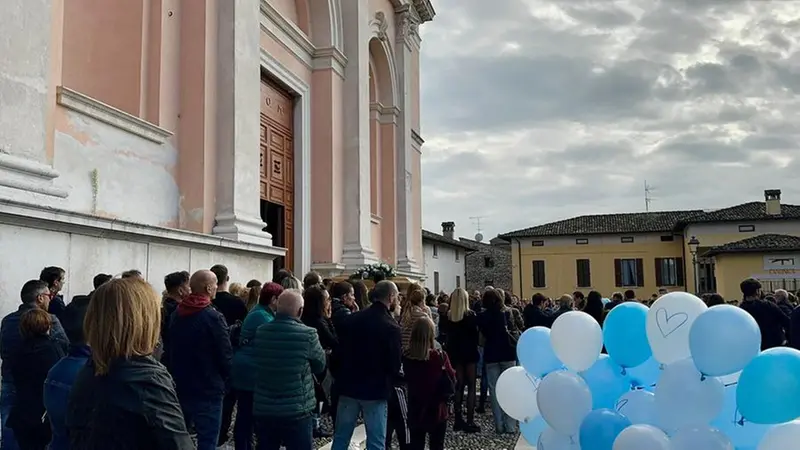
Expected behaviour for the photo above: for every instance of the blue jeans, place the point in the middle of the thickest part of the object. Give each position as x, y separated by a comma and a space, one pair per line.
8, 395
502, 422
206, 416
243, 427
375, 414
294, 434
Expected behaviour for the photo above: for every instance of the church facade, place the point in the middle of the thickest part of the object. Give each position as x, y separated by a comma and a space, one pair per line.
164, 135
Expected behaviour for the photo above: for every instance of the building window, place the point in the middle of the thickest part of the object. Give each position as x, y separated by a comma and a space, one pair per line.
581, 241
458, 255
539, 280
667, 238
747, 228
458, 281
629, 272
584, 273
488, 262
626, 239
435, 251
669, 271
436, 282
538, 243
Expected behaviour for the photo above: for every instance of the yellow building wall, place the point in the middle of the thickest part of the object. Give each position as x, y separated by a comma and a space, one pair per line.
715, 234
732, 268
560, 255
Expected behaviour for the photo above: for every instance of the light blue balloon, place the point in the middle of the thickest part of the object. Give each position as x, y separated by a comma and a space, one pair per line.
606, 381
723, 339
769, 387
531, 429
625, 334
639, 407
705, 438
600, 429
535, 352
645, 375
744, 435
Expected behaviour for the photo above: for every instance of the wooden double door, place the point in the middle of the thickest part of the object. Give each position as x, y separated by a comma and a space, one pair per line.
277, 167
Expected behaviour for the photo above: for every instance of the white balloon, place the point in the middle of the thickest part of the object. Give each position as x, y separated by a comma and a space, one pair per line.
668, 323
685, 399
564, 400
577, 340
642, 437
705, 438
781, 437
639, 406
550, 439
516, 394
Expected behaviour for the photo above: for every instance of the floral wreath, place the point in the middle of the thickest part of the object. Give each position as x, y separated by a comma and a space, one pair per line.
372, 271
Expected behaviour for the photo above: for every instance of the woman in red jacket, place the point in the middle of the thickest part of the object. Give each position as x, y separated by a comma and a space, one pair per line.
430, 380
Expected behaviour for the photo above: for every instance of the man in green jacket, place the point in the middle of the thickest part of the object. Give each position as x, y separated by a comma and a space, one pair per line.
287, 353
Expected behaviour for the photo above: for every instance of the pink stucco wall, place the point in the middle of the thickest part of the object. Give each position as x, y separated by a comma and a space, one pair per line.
156, 60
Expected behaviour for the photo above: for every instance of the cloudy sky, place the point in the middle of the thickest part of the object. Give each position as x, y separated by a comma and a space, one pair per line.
538, 110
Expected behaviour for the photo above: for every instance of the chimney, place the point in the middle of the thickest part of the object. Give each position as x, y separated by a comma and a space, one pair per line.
448, 229
772, 197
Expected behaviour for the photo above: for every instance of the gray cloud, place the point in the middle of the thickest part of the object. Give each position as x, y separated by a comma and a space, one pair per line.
536, 110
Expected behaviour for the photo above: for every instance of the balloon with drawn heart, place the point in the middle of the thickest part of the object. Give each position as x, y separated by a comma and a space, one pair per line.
668, 323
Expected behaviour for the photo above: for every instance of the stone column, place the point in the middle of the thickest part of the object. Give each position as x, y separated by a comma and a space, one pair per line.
27, 96
407, 41
357, 232
238, 199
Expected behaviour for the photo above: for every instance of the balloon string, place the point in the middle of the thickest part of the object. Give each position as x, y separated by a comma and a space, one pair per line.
741, 422
624, 372
702, 377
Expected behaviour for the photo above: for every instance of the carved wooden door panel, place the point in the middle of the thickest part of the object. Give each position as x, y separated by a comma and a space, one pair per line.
277, 157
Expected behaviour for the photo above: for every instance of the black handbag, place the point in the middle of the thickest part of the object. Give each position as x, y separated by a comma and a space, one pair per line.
446, 385
512, 333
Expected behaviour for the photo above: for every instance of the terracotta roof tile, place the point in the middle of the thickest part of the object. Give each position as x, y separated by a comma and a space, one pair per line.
760, 243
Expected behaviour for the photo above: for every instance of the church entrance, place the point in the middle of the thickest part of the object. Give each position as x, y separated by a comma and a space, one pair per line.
277, 168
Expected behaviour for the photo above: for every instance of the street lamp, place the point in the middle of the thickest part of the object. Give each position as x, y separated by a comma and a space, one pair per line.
693, 244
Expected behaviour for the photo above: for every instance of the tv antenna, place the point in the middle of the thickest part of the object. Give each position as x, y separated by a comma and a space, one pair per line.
648, 198
476, 220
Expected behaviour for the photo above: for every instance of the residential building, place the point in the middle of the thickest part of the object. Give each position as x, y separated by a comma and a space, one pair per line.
656, 250
172, 135
488, 264
444, 259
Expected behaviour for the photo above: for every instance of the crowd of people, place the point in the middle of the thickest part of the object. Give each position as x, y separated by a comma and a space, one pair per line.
126, 368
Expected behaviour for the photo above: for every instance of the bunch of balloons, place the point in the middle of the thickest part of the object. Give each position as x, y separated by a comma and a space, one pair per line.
675, 376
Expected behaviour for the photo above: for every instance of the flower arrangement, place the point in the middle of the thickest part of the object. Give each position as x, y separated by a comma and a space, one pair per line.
375, 272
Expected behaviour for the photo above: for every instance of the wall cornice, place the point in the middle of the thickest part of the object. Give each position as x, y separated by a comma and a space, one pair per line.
109, 115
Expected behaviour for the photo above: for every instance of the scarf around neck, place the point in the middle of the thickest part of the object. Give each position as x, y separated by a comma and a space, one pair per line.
192, 304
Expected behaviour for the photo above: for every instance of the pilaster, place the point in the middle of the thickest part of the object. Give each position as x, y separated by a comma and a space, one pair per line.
407, 41
238, 197
357, 226
30, 46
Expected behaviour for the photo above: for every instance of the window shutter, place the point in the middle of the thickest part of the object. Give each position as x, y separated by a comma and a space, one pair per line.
681, 271
659, 279
617, 272
588, 275
639, 272
579, 272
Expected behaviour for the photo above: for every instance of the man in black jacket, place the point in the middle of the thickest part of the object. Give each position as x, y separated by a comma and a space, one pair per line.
370, 363
773, 323
198, 355
72, 317
534, 314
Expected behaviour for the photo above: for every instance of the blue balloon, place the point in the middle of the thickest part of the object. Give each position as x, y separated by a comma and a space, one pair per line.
600, 429
532, 429
645, 375
606, 381
535, 352
769, 387
743, 434
625, 334
723, 339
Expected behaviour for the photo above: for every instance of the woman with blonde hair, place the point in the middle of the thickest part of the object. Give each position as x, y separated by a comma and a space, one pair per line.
238, 290
413, 310
123, 398
461, 328
292, 283
430, 380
